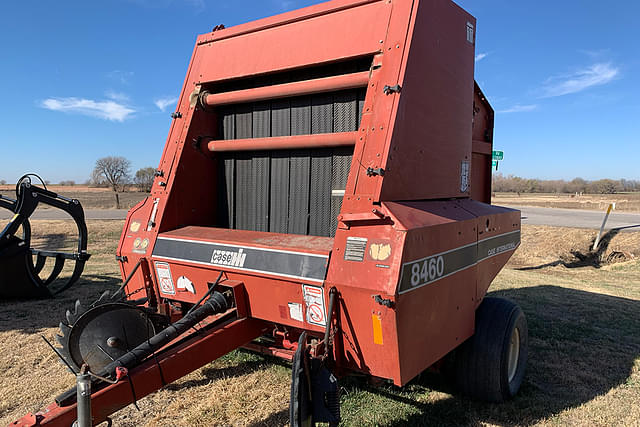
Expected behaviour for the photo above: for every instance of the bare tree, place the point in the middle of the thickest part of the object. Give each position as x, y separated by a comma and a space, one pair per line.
144, 179
114, 171
2, 182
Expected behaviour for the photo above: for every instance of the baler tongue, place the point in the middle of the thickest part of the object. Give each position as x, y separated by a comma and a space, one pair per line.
19, 271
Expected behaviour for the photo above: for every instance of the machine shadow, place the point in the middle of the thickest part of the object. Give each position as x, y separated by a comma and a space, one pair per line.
31, 315
582, 345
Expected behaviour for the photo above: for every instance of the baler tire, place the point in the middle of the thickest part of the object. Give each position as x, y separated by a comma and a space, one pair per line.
482, 365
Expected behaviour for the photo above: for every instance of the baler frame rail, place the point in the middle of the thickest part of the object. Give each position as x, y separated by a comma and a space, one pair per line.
166, 366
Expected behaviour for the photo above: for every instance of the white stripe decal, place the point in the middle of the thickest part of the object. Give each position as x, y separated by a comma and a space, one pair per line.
424, 271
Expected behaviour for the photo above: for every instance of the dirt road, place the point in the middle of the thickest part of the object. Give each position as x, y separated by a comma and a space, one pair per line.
51, 214
578, 218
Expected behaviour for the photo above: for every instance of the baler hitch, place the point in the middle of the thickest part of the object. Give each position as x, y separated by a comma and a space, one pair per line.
20, 274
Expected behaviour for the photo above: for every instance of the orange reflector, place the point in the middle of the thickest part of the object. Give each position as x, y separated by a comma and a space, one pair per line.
377, 329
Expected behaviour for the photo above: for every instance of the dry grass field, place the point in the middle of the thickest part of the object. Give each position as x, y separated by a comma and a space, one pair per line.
584, 366
90, 197
625, 202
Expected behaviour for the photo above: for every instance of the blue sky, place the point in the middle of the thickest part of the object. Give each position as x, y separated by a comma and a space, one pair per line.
81, 80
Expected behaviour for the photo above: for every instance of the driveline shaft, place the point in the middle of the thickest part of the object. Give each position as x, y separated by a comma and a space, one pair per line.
215, 304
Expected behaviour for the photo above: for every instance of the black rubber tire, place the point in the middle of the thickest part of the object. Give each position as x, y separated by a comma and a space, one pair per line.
299, 403
481, 363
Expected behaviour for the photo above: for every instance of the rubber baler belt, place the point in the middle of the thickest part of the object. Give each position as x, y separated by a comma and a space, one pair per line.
288, 191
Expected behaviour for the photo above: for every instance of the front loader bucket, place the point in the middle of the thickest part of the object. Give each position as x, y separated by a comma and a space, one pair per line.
17, 277
20, 264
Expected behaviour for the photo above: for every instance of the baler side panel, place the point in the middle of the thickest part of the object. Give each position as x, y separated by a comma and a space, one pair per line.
368, 341
493, 222
195, 182
436, 290
482, 147
367, 256
377, 113
143, 220
431, 140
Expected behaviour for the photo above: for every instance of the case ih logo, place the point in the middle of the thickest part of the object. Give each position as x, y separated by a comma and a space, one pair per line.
232, 259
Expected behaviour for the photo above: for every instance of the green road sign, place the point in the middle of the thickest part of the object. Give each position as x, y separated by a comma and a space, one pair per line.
497, 155
494, 164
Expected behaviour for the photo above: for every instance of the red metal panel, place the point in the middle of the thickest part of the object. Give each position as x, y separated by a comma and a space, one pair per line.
306, 87
481, 172
432, 129
377, 114
482, 147
260, 239
283, 19
268, 297
492, 221
347, 33
318, 140
357, 349
433, 320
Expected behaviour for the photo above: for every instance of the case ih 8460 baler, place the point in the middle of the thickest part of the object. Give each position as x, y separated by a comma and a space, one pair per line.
323, 196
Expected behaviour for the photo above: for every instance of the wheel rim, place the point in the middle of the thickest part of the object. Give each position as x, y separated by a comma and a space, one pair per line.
514, 353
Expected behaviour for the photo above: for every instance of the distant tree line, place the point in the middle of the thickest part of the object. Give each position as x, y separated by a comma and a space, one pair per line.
516, 184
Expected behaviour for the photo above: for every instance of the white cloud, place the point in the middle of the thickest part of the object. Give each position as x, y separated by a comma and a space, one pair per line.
117, 96
107, 110
163, 103
520, 108
594, 75
481, 56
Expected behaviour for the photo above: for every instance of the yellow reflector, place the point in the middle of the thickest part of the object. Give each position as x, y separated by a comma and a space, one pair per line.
377, 329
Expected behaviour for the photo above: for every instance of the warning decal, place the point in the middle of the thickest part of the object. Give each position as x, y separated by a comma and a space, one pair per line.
314, 300
295, 311
165, 282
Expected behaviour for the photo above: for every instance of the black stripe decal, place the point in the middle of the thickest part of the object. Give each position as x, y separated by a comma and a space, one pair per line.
423, 271
297, 265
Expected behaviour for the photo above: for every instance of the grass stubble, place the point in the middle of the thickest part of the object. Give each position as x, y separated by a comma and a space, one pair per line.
584, 354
